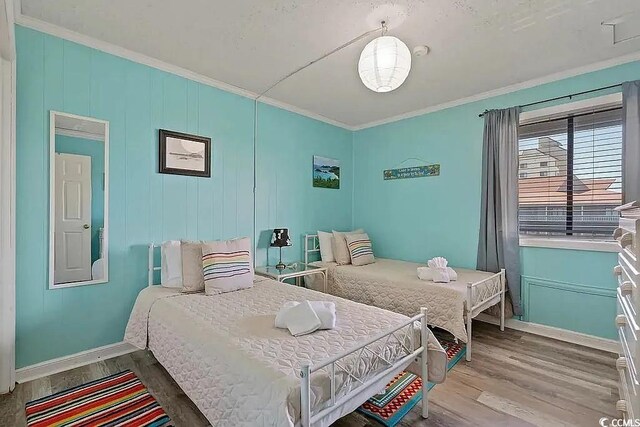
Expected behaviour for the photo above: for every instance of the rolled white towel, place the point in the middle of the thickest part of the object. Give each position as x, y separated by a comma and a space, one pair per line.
437, 262
302, 320
425, 273
325, 310
439, 272
440, 275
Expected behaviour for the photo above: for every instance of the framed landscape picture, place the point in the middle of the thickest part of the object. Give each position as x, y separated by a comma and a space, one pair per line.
183, 154
326, 172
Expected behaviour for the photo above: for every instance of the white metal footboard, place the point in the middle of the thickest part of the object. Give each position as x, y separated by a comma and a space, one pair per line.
357, 395
482, 295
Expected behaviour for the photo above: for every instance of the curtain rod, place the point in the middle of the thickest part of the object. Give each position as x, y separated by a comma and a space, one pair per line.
557, 98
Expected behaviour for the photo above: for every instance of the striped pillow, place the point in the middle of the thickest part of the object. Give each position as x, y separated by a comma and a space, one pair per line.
360, 249
227, 266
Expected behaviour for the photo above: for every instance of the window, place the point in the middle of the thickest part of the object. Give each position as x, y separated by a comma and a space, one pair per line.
574, 178
523, 165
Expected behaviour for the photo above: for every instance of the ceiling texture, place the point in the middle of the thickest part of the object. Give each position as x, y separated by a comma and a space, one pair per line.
476, 46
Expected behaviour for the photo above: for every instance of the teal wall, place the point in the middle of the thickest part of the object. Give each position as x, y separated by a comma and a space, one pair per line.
285, 197
570, 289
95, 150
145, 206
416, 219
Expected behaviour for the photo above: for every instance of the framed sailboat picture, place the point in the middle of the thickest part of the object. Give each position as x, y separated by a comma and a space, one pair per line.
184, 154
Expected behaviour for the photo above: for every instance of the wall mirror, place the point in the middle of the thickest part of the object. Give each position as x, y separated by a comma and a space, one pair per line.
79, 200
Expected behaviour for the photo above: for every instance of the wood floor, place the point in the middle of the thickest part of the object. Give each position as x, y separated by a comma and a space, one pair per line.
515, 379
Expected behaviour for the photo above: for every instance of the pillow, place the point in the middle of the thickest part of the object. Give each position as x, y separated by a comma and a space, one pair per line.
360, 249
340, 250
171, 264
192, 278
227, 266
326, 246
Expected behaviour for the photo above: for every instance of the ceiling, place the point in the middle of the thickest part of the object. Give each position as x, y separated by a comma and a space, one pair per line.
476, 46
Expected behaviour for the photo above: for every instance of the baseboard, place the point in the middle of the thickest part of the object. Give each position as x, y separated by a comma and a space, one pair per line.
76, 360
555, 333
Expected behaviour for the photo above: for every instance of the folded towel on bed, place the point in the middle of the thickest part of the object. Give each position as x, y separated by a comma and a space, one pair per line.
325, 310
439, 272
302, 320
425, 273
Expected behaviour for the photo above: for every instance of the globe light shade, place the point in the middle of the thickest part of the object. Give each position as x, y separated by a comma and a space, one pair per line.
384, 64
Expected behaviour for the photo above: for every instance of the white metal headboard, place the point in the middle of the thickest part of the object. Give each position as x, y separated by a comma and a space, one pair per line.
311, 245
152, 268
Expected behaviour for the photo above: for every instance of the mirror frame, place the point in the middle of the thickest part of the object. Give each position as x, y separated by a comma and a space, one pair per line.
52, 203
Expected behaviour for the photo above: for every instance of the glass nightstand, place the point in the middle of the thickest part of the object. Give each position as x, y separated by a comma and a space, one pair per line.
293, 271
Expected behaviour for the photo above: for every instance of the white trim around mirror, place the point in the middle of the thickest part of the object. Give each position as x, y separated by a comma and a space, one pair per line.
52, 168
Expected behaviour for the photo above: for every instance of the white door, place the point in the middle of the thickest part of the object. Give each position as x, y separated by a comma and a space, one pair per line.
73, 218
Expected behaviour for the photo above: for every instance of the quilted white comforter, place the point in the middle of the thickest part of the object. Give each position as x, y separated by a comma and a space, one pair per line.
394, 285
228, 357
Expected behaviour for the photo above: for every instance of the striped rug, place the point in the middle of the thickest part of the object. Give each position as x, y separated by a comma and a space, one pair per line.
405, 391
118, 400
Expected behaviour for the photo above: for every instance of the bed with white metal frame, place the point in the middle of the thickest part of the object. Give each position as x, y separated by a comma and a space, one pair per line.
480, 295
363, 391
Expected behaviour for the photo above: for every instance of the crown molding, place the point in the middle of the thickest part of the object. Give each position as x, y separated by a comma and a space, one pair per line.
66, 34
79, 134
306, 113
596, 66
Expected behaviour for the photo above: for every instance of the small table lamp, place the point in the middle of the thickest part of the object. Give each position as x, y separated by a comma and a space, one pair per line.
279, 239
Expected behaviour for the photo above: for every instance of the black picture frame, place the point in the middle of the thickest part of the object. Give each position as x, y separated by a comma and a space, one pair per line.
163, 134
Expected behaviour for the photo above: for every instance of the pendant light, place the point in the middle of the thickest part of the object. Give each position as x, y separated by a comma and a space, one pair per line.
384, 63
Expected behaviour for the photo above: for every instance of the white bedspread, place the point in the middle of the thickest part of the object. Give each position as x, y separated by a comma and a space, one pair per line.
228, 357
394, 285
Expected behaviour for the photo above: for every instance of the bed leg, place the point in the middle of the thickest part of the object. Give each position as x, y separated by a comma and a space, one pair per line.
468, 355
424, 335
469, 315
502, 298
324, 277
305, 397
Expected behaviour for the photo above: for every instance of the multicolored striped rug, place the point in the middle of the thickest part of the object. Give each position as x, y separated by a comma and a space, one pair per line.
117, 400
405, 391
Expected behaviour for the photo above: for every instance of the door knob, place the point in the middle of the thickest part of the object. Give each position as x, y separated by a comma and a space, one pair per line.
86, 226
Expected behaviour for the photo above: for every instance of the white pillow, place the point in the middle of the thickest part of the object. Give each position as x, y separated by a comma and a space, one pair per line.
227, 265
326, 246
340, 249
171, 264
360, 250
192, 277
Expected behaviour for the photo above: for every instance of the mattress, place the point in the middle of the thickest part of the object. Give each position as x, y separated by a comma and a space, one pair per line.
238, 369
394, 285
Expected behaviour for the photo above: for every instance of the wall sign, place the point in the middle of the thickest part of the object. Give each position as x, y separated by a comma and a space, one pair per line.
412, 172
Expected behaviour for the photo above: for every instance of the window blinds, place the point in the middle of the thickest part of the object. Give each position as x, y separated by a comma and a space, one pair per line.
570, 174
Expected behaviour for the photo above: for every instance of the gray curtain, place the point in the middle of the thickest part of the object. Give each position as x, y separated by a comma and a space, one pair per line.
498, 246
631, 141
